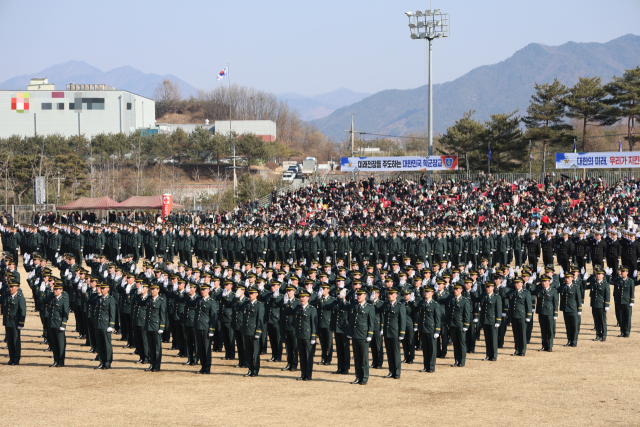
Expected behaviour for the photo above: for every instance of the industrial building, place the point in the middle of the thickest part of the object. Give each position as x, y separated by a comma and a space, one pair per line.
80, 110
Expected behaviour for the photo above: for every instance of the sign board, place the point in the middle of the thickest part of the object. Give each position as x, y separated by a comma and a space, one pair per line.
40, 192
399, 164
603, 160
167, 205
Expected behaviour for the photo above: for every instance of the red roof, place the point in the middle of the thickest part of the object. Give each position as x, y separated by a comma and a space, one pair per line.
144, 202
88, 203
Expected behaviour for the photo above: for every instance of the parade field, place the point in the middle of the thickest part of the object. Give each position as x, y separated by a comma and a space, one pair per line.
593, 384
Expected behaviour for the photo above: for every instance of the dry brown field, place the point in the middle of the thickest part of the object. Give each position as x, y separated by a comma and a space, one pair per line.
596, 383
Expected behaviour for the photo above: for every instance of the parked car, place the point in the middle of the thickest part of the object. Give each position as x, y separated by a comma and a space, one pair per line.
288, 176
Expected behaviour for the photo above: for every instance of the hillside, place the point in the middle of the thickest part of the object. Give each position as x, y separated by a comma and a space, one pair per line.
489, 89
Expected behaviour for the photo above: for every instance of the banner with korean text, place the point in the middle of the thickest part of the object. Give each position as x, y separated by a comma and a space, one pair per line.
397, 164
603, 160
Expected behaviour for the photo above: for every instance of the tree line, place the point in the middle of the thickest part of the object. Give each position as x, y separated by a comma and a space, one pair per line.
547, 123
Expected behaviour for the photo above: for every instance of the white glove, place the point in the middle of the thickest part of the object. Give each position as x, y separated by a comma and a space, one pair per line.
497, 325
341, 285
555, 317
436, 335
277, 292
381, 332
579, 313
586, 276
465, 329
412, 297
320, 293
372, 297
160, 331
449, 264
539, 270
527, 320
400, 339
582, 271
109, 329
210, 334
630, 304
504, 314
561, 273
415, 329
635, 273
238, 293
343, 293
56, 255
510, 273
62, 328
348, 337
312, 341
256, 336
37, 281
475, 320
606, 309
20, 327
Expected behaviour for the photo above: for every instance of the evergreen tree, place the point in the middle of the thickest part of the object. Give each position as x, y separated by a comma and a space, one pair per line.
508, 147
625, 99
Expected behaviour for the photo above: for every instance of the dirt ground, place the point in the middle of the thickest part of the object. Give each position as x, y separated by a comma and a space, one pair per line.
594, 384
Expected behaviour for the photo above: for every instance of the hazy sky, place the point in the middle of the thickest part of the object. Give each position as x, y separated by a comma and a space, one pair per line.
309, 47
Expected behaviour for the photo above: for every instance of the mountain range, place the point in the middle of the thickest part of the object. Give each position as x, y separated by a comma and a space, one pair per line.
489, 89
79, 72
315, 107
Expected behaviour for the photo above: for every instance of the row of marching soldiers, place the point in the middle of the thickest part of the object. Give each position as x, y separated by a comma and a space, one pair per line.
244, 309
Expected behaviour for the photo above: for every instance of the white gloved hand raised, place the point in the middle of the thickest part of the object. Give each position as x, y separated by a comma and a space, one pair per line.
412, 298
286, 298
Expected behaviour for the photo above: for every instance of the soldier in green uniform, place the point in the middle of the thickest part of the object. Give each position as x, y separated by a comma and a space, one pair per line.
324, 306
571, 307
306, 326
287, 308
104, 323
252, 330
377, 350
623, 295
190, 307
204, 325
155, 323
14, 311
360, 330
429, 320
547, 310
393, 331
458, 318
139, 316
490, 319
520, 313
600, 298
58, 309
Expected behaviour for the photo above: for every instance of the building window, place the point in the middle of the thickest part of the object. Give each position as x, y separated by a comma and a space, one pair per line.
128, 106
60, 105
72, 106
94, 103
46, 106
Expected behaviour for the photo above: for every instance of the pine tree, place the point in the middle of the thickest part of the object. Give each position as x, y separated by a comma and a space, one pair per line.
508, 147
464, 137
585, 101
625, 99
546, 112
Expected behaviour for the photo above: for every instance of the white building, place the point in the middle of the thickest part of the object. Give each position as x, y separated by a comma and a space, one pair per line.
73, 112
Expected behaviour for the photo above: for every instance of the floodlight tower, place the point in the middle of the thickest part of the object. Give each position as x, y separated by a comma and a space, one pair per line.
429, 25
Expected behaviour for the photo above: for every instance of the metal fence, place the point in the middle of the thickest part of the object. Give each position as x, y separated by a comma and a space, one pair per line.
24, 213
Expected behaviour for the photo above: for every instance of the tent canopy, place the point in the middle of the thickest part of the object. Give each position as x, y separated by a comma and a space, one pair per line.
88, 204
144, 202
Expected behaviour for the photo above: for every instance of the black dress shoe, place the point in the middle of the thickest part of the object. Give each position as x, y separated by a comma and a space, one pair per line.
455, 365
396, 377
377, 367
55, 364
106, 367
493, 359
155, 370
460, 365
300, 379
248, 374
293, 369
550, 350
389, 375
363, 383
60, 365
307, 379
98, 367
48, 349
140, 361
149, 369
187, 364
321, 362
95, 359
200, 372
596, 339
9, 363
567, 344
544, 349
271, 360
603, 339
574, 345
516, 354
485, 359
357, 381
339, 371
422, 370
286, 368
238, 366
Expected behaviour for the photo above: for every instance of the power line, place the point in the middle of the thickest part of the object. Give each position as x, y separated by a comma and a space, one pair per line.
392, 136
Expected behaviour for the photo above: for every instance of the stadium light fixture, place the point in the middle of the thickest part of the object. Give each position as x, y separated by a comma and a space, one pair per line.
429, 25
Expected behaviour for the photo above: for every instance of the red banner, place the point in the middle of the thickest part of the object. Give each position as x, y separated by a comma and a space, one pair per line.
167, 205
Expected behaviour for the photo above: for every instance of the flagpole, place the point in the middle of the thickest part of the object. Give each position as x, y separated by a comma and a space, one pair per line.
235, 176
530, 159
489, 161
